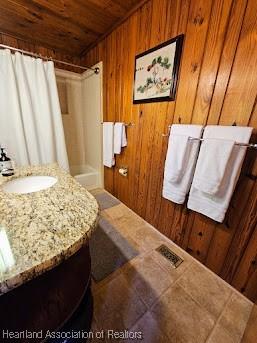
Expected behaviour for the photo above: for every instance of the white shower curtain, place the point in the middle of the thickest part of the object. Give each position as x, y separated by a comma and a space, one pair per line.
31, 126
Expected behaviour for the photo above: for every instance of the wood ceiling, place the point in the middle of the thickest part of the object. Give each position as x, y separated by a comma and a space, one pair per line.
68, 26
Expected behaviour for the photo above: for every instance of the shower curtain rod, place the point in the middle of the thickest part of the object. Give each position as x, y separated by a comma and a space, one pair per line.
95, 70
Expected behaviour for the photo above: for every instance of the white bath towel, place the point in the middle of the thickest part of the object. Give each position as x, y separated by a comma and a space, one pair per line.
212, 162
120, 139
108, 152
177, 191
176, 156
215, 206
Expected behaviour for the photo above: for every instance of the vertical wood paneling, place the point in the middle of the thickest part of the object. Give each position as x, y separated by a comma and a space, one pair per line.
149, 159
195, 38
227, 59
202, 228
238, 107
195, 41
139, 112
246, 276
242, 87
211, 58
165, 114
217, 85
244, 231
132, 112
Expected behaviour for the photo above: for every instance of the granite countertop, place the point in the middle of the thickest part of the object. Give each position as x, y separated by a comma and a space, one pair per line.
45, 227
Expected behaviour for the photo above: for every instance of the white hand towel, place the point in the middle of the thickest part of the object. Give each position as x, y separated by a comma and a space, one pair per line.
108, 152
215, 206
124, 141
177, 191
212, 162
120, 139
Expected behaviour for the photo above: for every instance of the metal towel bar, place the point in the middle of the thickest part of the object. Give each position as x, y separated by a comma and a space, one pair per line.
247, 145
126, 124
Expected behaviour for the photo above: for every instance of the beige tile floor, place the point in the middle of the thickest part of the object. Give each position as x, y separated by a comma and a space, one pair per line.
189, 304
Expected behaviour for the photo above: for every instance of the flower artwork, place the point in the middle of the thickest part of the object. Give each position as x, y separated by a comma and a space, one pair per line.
156, 72
158, 79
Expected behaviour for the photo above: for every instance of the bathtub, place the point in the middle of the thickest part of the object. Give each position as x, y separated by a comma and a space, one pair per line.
87, 176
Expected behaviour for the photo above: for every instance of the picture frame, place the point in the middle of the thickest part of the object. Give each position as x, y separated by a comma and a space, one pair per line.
156, 72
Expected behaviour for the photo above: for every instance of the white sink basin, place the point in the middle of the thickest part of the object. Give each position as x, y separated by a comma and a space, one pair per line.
29, 184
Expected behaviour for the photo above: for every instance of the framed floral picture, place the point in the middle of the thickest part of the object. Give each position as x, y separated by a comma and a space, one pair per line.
156, 72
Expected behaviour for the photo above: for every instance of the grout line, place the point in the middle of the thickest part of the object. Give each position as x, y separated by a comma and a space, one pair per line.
184, 253
172, 284
191, 257
140, 256
215, 318
219, 317
148, 308
165, 271
224, 282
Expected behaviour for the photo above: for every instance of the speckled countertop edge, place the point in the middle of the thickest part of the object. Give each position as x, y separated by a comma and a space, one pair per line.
65, 185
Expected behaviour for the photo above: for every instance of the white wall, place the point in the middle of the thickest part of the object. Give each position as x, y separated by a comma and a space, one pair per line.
73, 119
82, 123
92, 108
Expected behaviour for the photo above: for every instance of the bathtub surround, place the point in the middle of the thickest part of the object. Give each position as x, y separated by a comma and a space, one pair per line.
92, 104
70, 95
176, 189
215, 205
30, 123
82, 125
87, 176
45, 227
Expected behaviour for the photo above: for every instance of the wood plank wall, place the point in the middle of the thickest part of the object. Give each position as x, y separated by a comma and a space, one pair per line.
217, 85
37, 48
